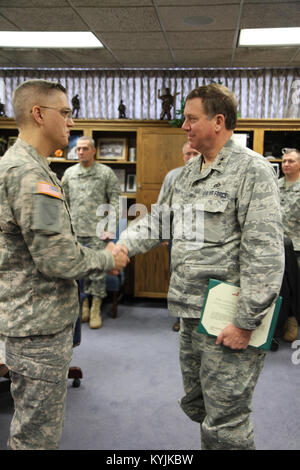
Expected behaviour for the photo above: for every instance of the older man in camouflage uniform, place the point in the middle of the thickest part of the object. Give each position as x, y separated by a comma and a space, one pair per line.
40, 259
187, 153
90, 186
235, 191
289, 187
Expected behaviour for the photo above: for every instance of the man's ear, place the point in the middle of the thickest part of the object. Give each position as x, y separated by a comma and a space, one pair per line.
220, 121
37, 115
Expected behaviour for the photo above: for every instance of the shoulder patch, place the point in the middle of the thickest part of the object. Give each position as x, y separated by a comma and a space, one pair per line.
49, 189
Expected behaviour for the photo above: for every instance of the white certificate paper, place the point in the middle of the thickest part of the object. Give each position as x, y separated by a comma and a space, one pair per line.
221, 307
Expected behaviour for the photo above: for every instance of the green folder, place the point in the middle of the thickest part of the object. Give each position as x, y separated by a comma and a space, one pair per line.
220, 308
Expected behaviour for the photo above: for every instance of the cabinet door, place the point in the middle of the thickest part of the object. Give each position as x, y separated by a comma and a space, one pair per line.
159, 151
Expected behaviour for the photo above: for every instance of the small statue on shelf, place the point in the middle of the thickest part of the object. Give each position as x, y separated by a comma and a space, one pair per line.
76, 105
122, 110
168, 101
2, 110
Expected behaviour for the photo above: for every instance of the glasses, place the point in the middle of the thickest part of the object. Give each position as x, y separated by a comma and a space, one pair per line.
65, 112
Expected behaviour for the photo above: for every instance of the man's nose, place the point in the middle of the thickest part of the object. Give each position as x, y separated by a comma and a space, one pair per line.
184, 125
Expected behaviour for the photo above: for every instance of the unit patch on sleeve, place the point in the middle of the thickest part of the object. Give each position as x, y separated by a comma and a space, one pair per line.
50, 190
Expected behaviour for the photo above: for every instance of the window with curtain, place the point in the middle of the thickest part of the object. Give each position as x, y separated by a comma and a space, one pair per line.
261, 93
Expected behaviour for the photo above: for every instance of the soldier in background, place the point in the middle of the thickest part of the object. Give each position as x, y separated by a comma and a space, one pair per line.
289, 187
89, 185
40, 259
236, 191
187, 153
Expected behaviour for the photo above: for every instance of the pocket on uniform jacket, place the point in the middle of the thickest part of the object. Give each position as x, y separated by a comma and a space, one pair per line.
195, 271
215, 220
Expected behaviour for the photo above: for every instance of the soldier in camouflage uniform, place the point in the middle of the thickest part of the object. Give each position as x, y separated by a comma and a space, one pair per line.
90, 186
187, 153
40, 259
235, 191
289, 187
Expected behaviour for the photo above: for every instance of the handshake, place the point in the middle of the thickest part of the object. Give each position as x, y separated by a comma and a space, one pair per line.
120, 254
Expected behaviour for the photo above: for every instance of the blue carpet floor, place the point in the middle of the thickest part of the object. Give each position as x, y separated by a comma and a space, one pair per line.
131, 384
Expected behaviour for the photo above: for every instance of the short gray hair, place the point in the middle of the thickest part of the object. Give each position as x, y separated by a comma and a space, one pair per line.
89, 139
287, 150
28, 93
217, 99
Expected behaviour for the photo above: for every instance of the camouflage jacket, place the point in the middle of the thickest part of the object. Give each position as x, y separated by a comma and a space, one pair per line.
238, 237
86, 190
169, 179
39, 255
290, 205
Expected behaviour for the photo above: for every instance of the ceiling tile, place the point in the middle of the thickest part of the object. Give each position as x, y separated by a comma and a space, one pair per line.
176, 19
203, 58
112, 3
133, 40
44, 19
6, 25
184, 3
124, 25
139, 58
84, 57
273, 15
269, 1
201, 39
30, 58
121, 19
6, 60
34, 3
264, 56
296, 59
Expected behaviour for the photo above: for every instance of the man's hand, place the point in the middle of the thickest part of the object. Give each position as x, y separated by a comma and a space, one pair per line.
120, 254
234, 337
122, 248
107, 236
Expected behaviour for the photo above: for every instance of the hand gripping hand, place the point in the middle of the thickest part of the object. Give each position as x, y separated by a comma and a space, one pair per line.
119, 253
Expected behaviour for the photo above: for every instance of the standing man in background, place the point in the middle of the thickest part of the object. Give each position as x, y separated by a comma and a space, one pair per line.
88, 185
289, 187
235, 191
187, 153
40, 259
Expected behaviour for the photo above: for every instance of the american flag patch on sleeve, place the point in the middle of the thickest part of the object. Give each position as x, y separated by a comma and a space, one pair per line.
50, 190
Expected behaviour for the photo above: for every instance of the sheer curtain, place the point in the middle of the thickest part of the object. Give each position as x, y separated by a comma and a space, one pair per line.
261, 93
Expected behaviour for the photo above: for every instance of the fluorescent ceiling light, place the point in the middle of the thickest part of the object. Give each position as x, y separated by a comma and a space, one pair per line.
50, 39
269, 37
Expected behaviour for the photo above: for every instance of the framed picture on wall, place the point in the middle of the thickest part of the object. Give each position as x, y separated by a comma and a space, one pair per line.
111, 148
130, 183
72, 153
